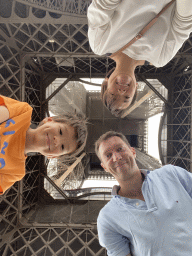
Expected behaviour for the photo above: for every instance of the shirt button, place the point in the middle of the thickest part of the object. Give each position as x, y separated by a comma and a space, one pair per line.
137, 204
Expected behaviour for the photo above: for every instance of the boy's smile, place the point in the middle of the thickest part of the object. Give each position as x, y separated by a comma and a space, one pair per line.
53, 139
59, 138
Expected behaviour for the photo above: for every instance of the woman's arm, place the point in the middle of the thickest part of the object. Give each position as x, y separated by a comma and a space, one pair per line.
4, 114
100, 12
184, 8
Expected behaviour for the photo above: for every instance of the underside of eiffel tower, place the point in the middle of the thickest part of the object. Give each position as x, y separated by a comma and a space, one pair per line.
46, 60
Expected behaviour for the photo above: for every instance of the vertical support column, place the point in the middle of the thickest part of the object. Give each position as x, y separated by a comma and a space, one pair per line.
22, 95
6, 239
63, 5
79, 7
191, 129
43, 109
170, 123
145, 137
22, 78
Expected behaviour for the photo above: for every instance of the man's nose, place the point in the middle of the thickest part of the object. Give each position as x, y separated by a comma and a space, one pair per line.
121, 91
122, 88
116, 156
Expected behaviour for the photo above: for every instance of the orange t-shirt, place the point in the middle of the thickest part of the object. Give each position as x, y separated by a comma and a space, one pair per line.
12, 142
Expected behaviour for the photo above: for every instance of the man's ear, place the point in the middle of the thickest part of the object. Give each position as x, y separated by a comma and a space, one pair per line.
133, 152
47, 119
102, 165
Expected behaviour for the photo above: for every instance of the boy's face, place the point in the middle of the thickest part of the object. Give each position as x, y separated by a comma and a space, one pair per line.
54, 139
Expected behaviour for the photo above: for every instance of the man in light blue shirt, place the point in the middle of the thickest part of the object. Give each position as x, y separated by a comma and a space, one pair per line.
150, 213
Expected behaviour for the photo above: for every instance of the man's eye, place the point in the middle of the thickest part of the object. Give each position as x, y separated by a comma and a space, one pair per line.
127, 99
62, 147
61, 132
108, 156
119, 149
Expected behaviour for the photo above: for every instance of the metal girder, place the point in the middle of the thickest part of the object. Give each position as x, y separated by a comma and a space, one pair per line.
181, 122
20, 187
138, 103
61, 7
77, 76
57, 188
69, 170
184, 55
56, 241
66, 55
57, 90
154, 90
191, 132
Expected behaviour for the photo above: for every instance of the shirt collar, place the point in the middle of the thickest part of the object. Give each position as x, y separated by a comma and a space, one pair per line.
116, 188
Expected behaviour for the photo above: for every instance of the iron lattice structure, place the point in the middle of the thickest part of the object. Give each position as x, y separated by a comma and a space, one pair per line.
53, 241
180, 149
34, 34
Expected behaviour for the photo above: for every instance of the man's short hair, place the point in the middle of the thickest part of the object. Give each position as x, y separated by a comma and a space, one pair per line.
105, 137
110, 100
79, 123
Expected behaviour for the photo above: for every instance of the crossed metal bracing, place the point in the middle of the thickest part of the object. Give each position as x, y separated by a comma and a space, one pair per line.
58, 6
53, 241
20, 83
38, 7
181, 122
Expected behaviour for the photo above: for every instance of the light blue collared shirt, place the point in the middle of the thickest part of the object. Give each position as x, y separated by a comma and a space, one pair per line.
160, 226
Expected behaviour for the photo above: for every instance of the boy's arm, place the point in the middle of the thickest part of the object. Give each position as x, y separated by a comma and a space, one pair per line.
10, 108
4, 114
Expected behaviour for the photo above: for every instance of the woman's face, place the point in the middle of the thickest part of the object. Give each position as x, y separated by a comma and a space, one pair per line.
122, 87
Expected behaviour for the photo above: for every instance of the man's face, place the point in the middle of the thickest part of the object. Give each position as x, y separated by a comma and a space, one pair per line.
117, 158
122, 87
54, 139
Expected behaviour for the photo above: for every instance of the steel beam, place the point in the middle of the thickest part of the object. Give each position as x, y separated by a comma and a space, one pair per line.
60, 7
153, 89
70, 169
138, 103
57, 90
191, 131
57, 188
